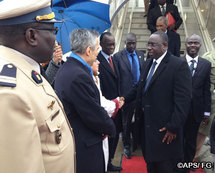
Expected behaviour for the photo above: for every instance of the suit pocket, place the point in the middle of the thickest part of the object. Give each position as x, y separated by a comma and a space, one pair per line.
56, 139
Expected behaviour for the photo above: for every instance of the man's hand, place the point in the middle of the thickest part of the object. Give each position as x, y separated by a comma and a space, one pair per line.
121, 103
205, 121
58, 54
169, 136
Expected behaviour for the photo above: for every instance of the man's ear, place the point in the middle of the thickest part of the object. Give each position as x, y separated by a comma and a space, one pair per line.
88, 51
165, 44
31, 37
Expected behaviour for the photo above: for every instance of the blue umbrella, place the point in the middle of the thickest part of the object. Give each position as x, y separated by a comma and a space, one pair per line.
79, 14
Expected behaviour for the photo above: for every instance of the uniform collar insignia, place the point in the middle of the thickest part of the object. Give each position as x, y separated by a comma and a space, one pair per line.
36, 76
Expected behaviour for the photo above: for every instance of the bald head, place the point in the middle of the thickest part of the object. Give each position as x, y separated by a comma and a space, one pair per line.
193, 44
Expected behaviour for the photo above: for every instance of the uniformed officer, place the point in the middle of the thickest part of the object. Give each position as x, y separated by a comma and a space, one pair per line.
34, 133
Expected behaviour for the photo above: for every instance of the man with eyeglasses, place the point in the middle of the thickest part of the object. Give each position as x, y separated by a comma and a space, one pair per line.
163, 96
201, 96
35, 134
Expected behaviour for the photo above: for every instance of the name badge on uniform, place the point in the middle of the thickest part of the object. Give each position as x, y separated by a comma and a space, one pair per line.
36, 76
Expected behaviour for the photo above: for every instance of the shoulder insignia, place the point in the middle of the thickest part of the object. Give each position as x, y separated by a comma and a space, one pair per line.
36, 76
8, 75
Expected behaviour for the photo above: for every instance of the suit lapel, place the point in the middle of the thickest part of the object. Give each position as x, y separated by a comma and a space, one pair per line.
159, 70
198, 68
106, 65
140, 58
126, 60
146, 69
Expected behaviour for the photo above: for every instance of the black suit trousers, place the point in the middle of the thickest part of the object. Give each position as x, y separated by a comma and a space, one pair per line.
190, 136
112, 142
168, 166
127, 114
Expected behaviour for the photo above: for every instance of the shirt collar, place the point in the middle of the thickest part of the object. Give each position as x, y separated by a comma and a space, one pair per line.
35, 65
73, 55
160, 58
128, 53
189, 58
163, 6
105, 55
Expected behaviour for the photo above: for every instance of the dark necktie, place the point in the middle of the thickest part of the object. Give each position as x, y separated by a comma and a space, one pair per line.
134, 69
163, 10
192, 66
111, 63
150, 75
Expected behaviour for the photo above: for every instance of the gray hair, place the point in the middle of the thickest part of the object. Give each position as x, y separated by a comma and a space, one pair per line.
81, 39
162, 35
164, 19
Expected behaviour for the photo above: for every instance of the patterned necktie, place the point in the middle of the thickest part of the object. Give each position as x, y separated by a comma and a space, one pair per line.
192, 66
111, 63
150, 75
163, 10
134, 69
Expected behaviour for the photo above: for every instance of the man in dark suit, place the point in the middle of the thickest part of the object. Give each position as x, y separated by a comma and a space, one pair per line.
162, 9
201, 95
129, 62
163, 96
174, 40
109, 87
77, 90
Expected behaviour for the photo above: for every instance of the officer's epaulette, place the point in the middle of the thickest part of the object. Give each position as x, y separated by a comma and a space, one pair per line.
8, 75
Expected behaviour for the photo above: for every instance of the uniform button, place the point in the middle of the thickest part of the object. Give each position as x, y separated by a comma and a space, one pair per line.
58, 126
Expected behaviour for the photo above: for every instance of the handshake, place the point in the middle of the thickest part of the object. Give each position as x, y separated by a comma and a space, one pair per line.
121, 101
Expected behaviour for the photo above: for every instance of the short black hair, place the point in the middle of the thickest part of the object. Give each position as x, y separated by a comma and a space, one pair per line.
104, 34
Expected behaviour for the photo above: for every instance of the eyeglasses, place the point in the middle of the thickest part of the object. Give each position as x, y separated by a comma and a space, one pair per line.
54, 30
152, 44
194, 42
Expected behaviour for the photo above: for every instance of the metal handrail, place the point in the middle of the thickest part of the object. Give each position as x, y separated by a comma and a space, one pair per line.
130, 18
184, 17
205, 34
118, 9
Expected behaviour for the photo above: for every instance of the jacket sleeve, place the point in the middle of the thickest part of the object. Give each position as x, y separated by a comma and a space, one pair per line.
150, 20
182, 97
82, 96
207, 93
177, 17
177, 45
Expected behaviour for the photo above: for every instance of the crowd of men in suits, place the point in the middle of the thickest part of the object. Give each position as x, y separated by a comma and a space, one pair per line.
163, 98
167, 96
